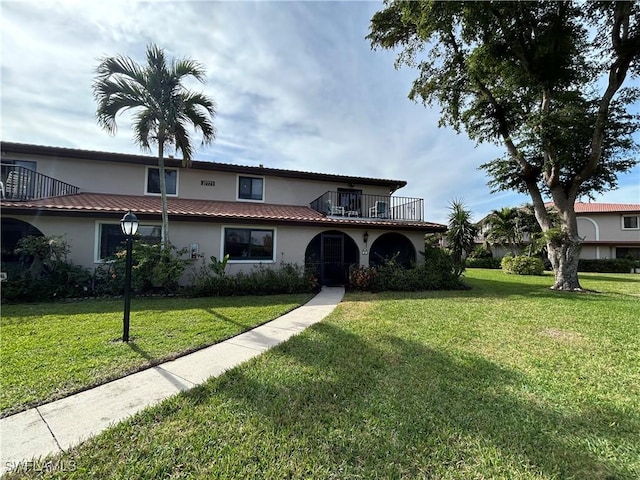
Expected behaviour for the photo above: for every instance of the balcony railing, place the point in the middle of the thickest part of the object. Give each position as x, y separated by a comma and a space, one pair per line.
360, 205
20, 183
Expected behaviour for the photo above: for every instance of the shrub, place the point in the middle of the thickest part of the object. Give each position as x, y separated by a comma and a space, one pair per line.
484, 262
47, 274
617, 265
481, 251
436, 273
154, 269
522, 265
361, 277
209, 280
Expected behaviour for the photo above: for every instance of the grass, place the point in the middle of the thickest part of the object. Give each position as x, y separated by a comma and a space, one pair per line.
508, 380
50, 350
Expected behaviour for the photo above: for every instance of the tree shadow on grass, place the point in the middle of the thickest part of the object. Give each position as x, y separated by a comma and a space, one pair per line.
485, 288
393, 408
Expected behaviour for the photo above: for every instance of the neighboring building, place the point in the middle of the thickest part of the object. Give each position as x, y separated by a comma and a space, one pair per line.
257, 215
608, 230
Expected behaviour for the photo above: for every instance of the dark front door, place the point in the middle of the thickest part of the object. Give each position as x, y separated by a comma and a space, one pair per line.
332, 259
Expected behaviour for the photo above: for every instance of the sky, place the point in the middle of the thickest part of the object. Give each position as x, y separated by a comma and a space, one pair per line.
296, 84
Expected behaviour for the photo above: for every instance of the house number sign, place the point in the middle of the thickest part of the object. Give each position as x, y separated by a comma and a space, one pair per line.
208, 183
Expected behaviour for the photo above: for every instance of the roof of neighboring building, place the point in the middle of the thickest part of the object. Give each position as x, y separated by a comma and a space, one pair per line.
146, 207
9, 148
606, 207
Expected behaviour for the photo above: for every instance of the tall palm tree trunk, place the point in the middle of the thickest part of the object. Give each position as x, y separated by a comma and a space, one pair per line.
163, 195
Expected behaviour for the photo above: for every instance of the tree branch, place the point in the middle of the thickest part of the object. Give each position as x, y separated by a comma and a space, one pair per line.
627, 49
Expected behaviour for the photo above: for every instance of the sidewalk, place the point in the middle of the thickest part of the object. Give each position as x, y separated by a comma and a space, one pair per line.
59, 425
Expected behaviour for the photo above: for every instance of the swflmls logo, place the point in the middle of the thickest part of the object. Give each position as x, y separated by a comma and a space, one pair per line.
208, 183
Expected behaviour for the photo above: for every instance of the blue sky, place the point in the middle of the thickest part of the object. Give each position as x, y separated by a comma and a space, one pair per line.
296, 84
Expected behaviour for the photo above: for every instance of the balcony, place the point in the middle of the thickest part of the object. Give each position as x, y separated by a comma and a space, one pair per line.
360, 205
20, 183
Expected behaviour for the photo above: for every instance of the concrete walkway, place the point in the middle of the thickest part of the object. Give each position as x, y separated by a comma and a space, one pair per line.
59, 425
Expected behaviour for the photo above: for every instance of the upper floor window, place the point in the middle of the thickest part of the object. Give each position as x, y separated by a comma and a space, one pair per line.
251, 188
152, 181
251, 244
631, 222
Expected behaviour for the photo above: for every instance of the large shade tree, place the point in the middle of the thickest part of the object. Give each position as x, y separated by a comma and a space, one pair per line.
164, 108
544, 79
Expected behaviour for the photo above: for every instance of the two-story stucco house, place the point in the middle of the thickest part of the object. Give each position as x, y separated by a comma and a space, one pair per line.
256, 215
609, 230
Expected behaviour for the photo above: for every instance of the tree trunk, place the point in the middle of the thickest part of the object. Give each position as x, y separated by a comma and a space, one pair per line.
564, 257
563, 243
163, 195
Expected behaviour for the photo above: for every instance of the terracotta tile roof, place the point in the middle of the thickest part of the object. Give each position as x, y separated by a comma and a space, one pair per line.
101, 203
606, 207
581, 207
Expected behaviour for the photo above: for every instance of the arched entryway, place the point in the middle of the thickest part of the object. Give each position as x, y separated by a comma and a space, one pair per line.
392, 245
330, 254
13, 230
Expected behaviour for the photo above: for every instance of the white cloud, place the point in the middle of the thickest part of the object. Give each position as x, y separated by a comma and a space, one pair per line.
296, 84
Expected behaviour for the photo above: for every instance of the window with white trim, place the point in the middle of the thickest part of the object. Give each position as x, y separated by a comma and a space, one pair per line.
250, 188
152, 181
249, 244
111, 239
631, 222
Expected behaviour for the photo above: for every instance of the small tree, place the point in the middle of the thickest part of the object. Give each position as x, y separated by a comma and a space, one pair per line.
460, 235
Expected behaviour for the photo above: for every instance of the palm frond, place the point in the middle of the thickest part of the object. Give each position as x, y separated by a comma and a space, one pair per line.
165, 107
189, 68
182, 142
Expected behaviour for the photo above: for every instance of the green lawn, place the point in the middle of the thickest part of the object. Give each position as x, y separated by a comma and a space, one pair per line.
52, 349
508, 380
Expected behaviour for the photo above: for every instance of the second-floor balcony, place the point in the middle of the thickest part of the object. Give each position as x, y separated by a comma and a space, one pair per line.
20, 183
360, 205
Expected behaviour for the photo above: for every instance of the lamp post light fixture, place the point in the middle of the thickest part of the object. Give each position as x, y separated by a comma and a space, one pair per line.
129, 225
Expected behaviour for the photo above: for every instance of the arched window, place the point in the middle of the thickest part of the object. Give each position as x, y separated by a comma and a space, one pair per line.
392, 245
13, 230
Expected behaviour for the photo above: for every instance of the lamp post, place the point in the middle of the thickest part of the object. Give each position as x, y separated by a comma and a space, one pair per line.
129, 224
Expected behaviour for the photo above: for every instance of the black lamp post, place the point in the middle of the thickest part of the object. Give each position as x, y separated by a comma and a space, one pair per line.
129, 224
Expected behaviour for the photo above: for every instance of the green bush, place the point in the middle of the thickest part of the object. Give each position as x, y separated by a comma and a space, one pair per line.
522, 265
436, 273
481, 251
154, 269
45, 273
210, 280
484, 262
617, 265
361, 277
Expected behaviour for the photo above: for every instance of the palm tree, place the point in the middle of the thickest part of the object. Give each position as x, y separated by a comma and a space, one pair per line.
504, 227
165, 108
460, 235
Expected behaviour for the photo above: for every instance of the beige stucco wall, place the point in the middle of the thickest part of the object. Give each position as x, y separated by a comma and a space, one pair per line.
290, 241
129, 179
605, 227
